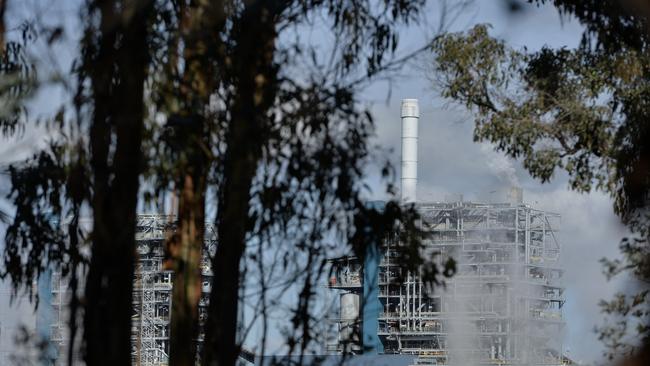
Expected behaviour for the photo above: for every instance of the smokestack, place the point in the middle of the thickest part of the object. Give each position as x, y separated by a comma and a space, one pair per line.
410, 115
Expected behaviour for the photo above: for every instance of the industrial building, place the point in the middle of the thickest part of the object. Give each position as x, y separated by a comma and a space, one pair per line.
152, 290
503, 306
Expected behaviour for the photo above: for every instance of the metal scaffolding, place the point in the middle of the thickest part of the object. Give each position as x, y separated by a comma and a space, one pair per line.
503, 306
347, 277
152, 290
151, 293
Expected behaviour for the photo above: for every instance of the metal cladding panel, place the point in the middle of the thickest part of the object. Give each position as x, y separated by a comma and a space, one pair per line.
371, 343
371, 305
45, 316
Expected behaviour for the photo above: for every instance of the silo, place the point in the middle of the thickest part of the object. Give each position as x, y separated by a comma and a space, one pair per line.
349, 333
350, 306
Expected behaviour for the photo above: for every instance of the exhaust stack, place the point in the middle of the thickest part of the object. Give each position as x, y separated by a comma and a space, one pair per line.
410, 116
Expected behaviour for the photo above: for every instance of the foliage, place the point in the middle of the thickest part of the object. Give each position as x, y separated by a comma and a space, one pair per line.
267, 124
91, 163
17, 79
17, 82
582, 111
37, 183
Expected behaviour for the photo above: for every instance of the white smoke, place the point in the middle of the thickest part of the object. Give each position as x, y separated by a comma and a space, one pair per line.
500, 165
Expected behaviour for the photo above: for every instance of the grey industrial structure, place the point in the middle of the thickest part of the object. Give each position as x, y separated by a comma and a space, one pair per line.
504, 305
151, 295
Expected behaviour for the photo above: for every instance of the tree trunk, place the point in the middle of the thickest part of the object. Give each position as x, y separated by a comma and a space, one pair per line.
201, 22
255, 76
3, 7
187, 270
220, 343
118, 111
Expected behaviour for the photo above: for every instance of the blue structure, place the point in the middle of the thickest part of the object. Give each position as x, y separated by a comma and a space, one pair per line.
45, 318
360, 306
371, 305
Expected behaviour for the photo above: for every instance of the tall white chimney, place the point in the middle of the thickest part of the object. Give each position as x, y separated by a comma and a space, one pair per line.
410, 116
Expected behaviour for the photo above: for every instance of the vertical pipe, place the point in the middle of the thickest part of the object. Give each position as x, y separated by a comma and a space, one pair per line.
420, 302
527, 236
415, 299
516, 229
544, 222
410, 115
408, 301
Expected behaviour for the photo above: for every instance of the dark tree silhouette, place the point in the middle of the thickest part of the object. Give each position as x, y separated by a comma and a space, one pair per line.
115, 60
286, 149
228, 105
97, 160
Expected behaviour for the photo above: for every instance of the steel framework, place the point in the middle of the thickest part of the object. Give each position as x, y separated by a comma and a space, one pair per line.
347, 277
151, 293
152, 288
503, 306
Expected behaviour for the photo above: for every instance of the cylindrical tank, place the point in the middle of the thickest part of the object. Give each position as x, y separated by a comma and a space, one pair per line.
350, 306
410, 115
349, 334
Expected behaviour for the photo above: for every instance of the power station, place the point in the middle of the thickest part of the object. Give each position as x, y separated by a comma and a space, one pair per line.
503, 306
